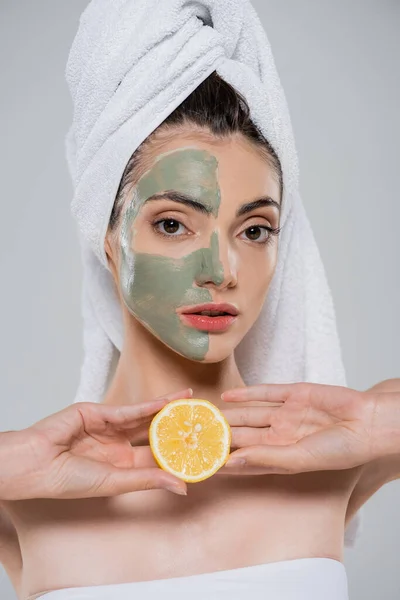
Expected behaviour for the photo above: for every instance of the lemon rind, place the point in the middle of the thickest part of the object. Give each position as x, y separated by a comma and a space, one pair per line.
164, 464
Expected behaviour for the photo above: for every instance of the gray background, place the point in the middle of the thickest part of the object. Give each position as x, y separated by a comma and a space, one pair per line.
339, 64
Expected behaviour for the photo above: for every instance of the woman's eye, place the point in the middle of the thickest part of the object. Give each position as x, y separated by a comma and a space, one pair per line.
170, 227
256, 233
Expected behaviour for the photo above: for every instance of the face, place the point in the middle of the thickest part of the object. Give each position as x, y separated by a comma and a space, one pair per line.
197, 246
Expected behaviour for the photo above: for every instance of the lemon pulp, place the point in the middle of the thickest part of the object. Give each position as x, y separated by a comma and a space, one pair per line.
190, 438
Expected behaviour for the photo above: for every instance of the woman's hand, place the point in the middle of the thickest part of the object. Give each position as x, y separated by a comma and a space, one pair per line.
305, 427
84, 451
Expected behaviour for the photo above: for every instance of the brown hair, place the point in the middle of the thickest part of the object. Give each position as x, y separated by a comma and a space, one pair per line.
214, 108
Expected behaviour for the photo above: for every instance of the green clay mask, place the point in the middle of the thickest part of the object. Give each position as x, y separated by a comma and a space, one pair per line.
154, 286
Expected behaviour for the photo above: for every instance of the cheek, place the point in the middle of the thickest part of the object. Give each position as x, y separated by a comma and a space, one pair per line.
151, 283
254, 279
153, 287
256, 271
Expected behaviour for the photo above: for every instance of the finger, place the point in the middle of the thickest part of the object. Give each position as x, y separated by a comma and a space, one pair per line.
324, 450
242, 471
242, 437
138, 436
250, 416
280, 393
115, 481
106, 420
151, 408
59, 428
136, 457
143, 457
138, 431
186, 393
125, 415
289, 459
273, 392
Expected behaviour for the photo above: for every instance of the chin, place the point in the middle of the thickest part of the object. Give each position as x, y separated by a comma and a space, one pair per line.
220, 348
215, 357
211, 357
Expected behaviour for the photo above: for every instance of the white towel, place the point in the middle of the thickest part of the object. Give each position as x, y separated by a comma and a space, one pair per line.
131, 64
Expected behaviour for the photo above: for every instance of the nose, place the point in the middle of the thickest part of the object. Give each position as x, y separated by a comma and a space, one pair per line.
216, 265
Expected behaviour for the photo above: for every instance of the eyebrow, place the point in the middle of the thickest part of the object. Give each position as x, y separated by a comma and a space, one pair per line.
187, 200
257, 203
181, 198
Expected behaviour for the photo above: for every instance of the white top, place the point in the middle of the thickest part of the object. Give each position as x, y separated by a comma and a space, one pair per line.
298, 579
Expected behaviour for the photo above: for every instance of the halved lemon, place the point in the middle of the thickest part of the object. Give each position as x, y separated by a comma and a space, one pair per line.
190, 438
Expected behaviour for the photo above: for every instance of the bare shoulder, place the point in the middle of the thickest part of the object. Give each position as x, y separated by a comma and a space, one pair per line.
10, 552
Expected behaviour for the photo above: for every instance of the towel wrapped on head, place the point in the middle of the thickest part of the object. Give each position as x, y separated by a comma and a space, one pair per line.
131, 64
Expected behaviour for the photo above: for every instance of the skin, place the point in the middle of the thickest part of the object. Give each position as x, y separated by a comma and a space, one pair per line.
310, 427
145, 277
228, 521
187, 269
313, 408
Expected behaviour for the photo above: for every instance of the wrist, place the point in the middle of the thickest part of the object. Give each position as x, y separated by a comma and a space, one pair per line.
386, 424
15, 465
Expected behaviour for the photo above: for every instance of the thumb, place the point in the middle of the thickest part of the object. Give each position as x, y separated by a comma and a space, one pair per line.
123, 480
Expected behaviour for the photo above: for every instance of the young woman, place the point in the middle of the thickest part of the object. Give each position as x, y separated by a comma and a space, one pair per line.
193, 247
193, 237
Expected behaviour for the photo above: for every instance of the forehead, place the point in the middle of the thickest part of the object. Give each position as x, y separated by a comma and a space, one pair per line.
231, 167
189, 170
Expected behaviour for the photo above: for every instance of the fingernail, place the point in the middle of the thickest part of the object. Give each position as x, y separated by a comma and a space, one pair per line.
236, 462
176, 490
230, 396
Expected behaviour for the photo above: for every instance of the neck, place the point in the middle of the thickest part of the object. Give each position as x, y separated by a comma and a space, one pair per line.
148, 369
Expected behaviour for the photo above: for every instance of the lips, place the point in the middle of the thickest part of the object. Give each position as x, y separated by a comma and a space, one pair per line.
209, 317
